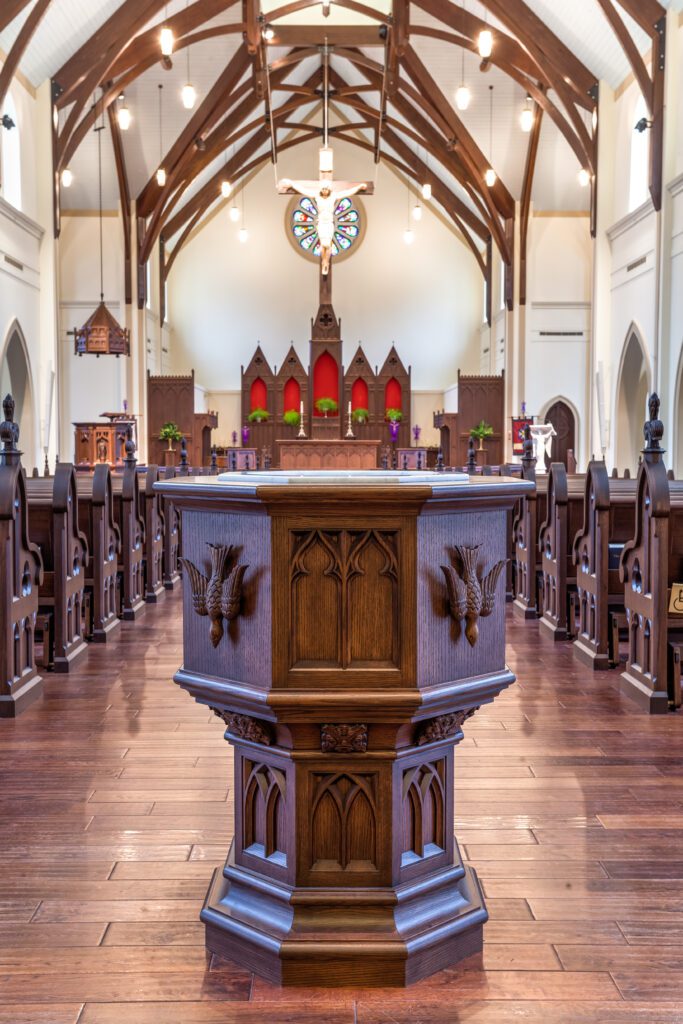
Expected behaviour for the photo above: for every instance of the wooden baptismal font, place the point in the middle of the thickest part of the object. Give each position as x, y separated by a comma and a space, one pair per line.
344, 627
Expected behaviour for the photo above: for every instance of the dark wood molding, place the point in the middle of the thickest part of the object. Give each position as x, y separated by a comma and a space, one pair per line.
13, 58
125, 201
525, 206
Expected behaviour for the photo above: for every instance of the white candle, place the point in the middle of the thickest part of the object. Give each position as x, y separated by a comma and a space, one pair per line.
349, 410
301, 408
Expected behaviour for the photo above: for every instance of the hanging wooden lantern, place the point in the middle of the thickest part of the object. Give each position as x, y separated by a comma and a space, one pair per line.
102, 335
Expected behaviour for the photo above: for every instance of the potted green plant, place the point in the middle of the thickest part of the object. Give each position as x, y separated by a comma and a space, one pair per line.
292, 418
325, 405
393, 415
258, 416
481, 432
360, 415
170, 432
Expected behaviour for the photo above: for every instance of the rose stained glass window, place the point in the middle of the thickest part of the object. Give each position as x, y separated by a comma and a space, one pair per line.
347, 226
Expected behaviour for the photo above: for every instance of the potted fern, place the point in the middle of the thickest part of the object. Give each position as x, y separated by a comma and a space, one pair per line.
291, 417
393, 415
170, 432
258, 416
325, 405
481, 432
360, 415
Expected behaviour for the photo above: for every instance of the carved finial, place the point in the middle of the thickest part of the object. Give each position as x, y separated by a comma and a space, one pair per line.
471, 456
267, 458
385, 459
439, 461
183, 453
46, 467
653, 431
405, 460
129, 446
214, 458
9, 433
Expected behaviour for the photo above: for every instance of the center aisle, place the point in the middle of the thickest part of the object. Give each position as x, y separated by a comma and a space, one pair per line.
114, 812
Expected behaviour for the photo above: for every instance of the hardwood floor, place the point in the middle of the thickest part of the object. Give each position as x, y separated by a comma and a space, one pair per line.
113, 813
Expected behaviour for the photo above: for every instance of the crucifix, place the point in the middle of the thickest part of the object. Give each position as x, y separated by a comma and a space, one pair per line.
326, 193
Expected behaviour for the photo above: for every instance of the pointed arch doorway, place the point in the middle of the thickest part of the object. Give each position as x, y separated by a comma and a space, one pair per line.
562, 417
633, 388
15, 379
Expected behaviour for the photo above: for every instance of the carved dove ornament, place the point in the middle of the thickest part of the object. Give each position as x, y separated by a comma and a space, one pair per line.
471, 596
219, 595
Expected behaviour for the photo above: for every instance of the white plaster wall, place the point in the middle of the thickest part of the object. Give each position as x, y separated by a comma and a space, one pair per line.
674, 395
558, 334
633, 304
224, 297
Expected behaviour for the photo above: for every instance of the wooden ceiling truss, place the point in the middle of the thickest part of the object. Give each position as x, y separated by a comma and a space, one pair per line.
411, 113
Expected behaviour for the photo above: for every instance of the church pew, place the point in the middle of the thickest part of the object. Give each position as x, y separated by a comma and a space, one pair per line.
153, 545
650, 563
564, 514
530, 511
20, 682
608, 522
129, 518
54, 527
171, 546
96, 520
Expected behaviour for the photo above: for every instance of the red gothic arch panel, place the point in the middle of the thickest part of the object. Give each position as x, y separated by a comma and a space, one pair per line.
325, 379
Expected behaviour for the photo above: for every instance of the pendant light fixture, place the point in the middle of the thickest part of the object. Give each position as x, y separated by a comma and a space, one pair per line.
527, 116
409, 234
243, 234
463, 95
490, 175
166, 40
123, 115
485, 40
67, 177
417, 212
189, 93
426, 188
161, 173
101, 334
584, 178
226, 188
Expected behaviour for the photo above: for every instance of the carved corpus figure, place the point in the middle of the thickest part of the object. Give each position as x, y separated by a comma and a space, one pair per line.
470, 596
219, 595
326, 194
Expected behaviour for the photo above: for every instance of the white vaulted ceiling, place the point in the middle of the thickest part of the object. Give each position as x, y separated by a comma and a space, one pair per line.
580, 24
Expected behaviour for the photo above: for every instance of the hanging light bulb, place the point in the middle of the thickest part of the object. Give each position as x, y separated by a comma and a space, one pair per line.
166, 41
325, 160
527, 117
234, 213
462, 94
463, 97
123, 116
490, 174
243, 235
584, 178
161, 172
409, 236
594, 118
485, 43
67, 178
326, 8
226, 189
189, 96
426, 192
417, 212
188, 93
268, 33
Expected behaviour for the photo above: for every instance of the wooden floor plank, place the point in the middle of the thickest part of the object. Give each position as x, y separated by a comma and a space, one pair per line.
116, 796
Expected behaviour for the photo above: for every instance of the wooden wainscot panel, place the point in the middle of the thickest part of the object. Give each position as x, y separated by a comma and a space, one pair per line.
345, 602
242, 651
445, 650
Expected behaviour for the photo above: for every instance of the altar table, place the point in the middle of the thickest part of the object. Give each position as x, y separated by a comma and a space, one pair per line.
306, 453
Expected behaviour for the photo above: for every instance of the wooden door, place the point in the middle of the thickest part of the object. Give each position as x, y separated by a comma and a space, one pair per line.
562, 419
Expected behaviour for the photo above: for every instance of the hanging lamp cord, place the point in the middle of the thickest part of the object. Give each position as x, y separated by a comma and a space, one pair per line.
99, 166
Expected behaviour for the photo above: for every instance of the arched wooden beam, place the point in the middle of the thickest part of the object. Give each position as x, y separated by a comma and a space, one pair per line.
351, 5
525, 204
137, 46
537, 93
203, 118
194, 162
9, 11
338, 132
13, 58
